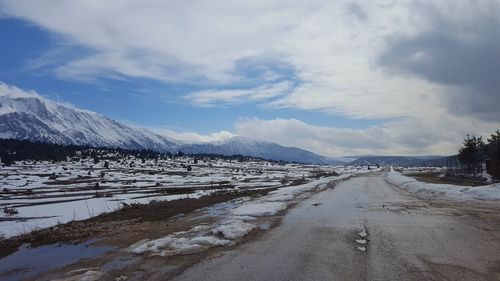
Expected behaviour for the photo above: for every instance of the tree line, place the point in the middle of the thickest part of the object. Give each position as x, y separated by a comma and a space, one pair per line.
19, 150
475, 149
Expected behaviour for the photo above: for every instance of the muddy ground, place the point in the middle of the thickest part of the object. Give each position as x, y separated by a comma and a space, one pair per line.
121, 229
137, 219
124, 228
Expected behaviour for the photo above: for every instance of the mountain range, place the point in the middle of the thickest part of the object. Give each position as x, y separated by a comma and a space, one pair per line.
30, 116
35, 118
257, 148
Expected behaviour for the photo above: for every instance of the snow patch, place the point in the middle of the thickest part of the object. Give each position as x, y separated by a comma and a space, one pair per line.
233, 229
488, 192
259, 209
361, 241
172, 245
84, 274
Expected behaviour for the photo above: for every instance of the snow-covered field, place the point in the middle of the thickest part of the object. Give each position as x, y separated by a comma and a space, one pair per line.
39, 194
487, 192
422, 170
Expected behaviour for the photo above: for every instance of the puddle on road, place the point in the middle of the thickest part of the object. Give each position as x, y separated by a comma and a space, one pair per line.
265, 225
28, 262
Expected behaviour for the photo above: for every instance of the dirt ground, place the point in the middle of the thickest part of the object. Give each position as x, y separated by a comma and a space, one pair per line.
130, 225
120, 234
123, 225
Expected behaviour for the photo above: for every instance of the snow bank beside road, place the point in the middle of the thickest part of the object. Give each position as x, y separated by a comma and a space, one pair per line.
239, 222
183, 242
487, 192
259, 209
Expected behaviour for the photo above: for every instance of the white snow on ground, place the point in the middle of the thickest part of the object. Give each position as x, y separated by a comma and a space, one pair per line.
45, 194
178, 243
421, 170
230, 229
259, 209
54, 214
363, 233
84, 274
233, 228
80, 189
487, 192
488, 177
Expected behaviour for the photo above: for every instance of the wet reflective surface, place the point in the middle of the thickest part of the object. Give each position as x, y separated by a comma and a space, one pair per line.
28, 262
365, 229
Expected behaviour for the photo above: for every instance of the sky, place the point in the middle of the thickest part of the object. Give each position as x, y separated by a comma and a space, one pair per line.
334, 77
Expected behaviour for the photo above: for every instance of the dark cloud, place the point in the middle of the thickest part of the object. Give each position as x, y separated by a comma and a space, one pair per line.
356, 10
463, 56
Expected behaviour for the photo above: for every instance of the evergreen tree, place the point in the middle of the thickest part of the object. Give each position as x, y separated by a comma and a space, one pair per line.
493, 145
471, 153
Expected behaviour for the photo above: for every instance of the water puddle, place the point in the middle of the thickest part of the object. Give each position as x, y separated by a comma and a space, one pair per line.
265, 225
28, 262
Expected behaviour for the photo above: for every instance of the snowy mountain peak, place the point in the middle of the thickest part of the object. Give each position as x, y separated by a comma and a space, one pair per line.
14, 92
27, 115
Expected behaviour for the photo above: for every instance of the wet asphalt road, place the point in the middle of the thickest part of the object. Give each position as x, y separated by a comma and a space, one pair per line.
407, 239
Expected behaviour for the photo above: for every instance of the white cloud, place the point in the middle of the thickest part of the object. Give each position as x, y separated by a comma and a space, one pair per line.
193, 137
329, 48
400, 137
166, 40
14, 92
209, 98
332, 47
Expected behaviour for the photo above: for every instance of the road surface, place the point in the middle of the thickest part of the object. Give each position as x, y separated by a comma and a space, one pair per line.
323, 238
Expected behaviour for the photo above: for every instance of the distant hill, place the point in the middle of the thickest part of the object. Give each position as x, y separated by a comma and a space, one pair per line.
256, 148
430, 160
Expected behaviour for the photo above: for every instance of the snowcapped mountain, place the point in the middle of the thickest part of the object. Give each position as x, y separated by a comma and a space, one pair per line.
29, 116
256, 148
